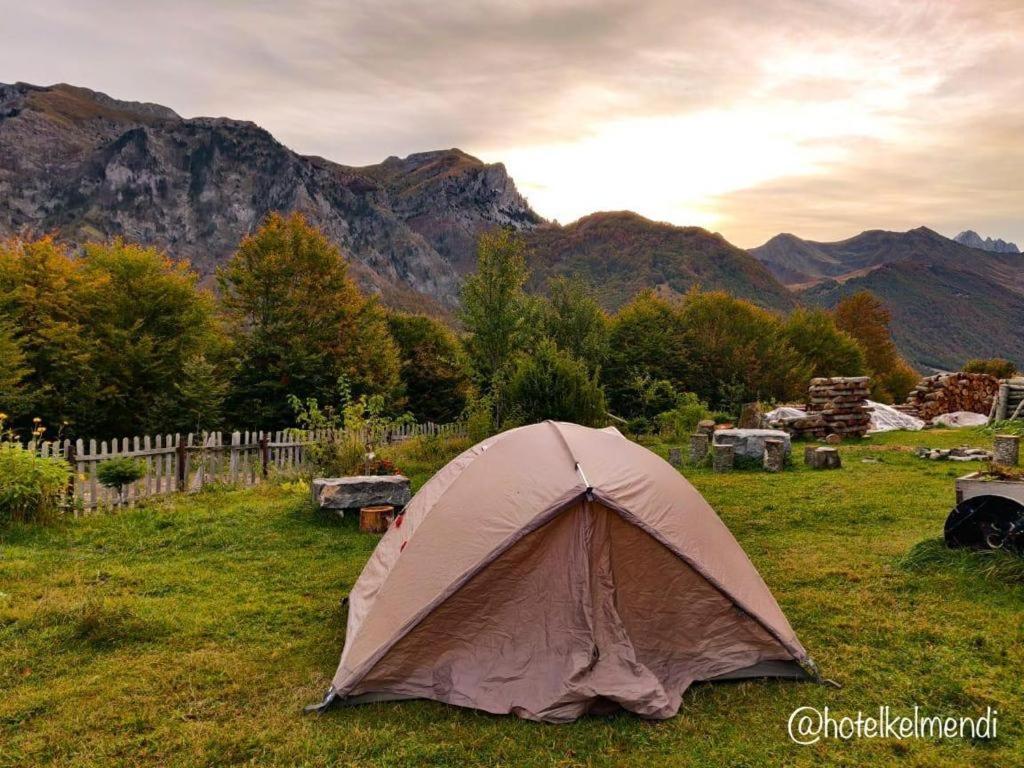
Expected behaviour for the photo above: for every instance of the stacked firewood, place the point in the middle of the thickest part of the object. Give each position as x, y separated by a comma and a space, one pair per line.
841, 404
951, 392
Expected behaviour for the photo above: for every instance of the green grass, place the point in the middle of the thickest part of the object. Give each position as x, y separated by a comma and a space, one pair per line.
192, 632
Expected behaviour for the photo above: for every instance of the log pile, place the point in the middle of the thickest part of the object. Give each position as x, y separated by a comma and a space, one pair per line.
951, 392
840, 403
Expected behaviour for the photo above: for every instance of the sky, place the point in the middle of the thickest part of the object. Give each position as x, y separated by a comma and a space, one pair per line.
821, 118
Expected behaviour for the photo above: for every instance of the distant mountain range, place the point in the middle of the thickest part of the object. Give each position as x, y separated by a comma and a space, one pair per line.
949, 301
86, 166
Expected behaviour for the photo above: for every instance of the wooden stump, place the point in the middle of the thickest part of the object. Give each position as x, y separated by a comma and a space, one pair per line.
675, 457
1006, 450
699, 444
774, 455
722, 458
707, 426
376, 519
827, 458
809, 458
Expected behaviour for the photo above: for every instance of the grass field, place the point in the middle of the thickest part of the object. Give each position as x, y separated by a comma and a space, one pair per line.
193, 631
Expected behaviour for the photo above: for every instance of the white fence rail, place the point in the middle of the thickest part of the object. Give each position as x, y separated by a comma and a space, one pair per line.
190, 462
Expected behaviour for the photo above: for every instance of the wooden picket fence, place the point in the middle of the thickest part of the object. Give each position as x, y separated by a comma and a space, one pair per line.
190, 462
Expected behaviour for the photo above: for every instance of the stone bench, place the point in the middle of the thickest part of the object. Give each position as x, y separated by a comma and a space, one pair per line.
341, 493
749, 443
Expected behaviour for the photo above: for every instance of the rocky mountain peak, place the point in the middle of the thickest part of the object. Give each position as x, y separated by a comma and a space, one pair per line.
972, 239
87, 166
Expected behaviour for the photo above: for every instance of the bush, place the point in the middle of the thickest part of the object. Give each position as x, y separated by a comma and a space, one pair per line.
120, 472
552, 384
32, 488
996, 366
682, 420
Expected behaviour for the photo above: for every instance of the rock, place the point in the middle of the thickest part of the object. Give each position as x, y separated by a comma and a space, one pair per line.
343, 493
749, 443
751, 417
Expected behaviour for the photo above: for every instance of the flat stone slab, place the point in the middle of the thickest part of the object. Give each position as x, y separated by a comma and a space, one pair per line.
749, 443
343, 493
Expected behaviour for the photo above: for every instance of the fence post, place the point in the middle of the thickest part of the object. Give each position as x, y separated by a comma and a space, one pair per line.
182, 460
264, 454
71, 457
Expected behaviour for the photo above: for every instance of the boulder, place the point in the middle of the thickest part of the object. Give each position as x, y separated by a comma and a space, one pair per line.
749, 443
343, 493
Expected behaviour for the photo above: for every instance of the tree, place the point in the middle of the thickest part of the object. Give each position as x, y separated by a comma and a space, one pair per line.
145, 317
434, 368
299, 324
646, 343
575, 321
827, 350
550, 383
39, 297
738, 352
864, 317
498, 315
14, 371
200, 394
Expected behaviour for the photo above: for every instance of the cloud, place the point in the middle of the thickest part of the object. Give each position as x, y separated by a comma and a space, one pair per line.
817, 117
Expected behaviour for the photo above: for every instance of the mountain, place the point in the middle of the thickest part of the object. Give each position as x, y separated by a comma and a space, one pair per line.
972, 239
621, 253
86, 166
949, 302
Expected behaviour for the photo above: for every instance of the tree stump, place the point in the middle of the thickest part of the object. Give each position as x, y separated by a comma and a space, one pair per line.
707, 426
827, 458
376, 519
723, 457
810, 459
774, 455
675, 457
699, 444
1006, 450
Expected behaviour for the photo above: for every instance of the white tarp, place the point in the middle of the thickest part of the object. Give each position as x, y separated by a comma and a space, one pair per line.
885, 418
960, 419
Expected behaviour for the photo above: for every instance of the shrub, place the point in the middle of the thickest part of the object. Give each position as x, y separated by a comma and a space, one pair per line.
32, 488
682, 420
120, 472
552, 384
995, 366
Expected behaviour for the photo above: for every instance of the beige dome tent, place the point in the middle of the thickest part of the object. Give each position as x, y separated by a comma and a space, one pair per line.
553, 570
